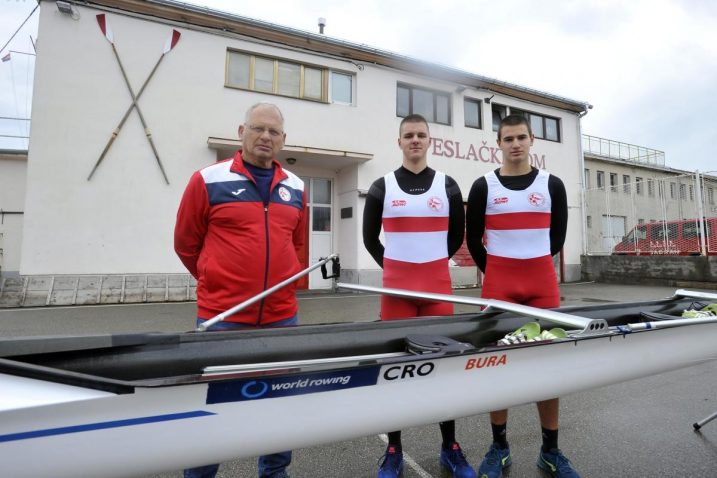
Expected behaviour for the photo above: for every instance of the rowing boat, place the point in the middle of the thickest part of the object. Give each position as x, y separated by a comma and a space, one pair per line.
134, 404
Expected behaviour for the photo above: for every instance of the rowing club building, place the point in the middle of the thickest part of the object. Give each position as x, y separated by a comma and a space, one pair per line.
103, 208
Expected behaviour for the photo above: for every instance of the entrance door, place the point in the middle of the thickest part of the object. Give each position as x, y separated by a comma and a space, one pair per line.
613, 230
320, 227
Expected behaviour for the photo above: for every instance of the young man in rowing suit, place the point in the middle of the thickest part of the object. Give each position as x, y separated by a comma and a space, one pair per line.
239, 231
524, 213
421, 211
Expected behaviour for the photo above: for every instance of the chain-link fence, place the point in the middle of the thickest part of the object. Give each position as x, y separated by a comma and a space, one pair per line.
672, 215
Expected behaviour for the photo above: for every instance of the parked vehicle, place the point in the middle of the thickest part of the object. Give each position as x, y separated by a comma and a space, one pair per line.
674, 238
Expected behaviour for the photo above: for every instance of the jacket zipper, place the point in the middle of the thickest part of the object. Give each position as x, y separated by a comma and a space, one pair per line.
266, 263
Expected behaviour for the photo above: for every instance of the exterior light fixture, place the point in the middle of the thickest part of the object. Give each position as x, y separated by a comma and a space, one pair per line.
64, 7
68, 8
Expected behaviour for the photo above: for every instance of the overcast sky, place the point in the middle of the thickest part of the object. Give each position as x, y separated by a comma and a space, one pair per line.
649, 67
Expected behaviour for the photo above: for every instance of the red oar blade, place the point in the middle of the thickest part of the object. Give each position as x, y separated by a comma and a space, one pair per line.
172, 41
105, 27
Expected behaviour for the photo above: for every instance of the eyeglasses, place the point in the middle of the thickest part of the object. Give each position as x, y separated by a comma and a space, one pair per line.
259, 130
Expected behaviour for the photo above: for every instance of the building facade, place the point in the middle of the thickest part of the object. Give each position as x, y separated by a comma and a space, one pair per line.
628, 187
342, 104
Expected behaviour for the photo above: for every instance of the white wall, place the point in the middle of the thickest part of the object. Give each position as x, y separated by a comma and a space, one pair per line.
122, 220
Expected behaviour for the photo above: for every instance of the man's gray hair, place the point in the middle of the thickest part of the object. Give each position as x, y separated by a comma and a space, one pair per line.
260, 105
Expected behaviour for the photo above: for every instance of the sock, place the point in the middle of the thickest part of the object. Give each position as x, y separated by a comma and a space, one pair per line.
448, 433
394, 440
550, 439
499, 435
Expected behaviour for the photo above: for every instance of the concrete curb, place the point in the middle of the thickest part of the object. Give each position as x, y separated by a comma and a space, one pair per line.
38, 291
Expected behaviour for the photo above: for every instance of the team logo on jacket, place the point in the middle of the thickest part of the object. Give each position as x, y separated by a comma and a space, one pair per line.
398, 203
435, 203
284, 194
536, 199
500, 200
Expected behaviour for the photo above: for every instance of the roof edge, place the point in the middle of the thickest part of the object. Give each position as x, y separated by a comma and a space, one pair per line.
183, 12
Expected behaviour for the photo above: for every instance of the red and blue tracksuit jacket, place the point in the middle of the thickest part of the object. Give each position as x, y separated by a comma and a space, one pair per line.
236, 246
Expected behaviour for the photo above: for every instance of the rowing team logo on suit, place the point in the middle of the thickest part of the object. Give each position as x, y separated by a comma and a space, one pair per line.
536, 199
284, 194
435, 203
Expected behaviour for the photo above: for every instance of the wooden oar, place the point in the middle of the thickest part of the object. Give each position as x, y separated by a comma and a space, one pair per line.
171, 43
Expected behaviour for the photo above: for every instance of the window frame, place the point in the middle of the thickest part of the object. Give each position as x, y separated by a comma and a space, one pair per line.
479, 105
613, 182
530, 115
331, 87
276, 61
434, 93
626, 183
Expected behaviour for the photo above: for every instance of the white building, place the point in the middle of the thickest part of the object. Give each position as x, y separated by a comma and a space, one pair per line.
628, 185
342, 102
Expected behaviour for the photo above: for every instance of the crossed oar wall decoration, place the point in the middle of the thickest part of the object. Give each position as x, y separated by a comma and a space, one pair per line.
169, 45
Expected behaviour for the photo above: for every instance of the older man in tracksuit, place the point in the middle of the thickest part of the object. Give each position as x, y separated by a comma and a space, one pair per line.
240, 230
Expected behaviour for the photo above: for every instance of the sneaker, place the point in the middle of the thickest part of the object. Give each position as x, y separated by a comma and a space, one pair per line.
495, 460
552, 334
524, 334
454, 460
555, 463
392, 464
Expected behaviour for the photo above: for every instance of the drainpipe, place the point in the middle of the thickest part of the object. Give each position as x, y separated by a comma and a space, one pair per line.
583, 208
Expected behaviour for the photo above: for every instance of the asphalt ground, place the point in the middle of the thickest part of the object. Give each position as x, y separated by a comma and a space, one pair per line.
641, 428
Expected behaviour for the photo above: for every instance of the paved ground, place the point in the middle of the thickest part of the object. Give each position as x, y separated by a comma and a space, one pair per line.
638, 429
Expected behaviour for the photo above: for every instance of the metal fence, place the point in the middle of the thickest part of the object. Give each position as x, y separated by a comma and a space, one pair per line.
671, 215
609, 148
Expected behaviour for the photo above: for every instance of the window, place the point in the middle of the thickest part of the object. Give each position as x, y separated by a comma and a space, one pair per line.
600, 178
651, 187
664, 231
711, 195
341, 88
639, 234
498, 113
320, 204
626, 183
587, 178
692, 192
543, 127
638, 185
472, 113
691, 230
590, 221
286, 78
613, 182
432, 105
672, 191
683, 194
